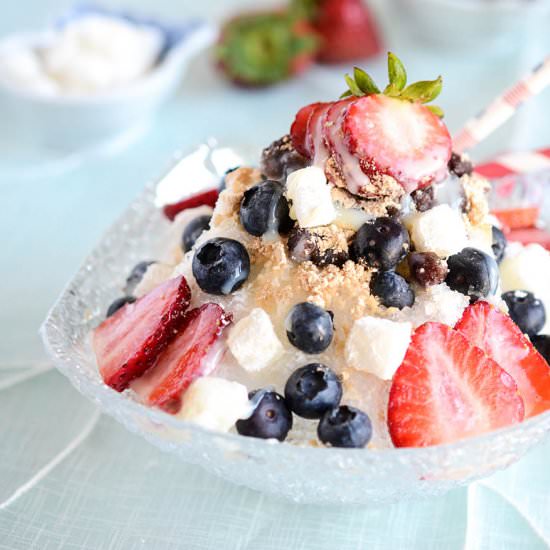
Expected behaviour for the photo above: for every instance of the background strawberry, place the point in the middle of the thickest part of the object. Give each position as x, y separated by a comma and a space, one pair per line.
259, 49
347, 29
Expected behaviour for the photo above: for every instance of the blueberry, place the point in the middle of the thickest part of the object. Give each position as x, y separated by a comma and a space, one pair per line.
310, 328
460, 165
136, 275
119, 303
542, 343
271, 418
264, 208
526, 311
345, 427
499, 244
382, 243
312, 390
392, 290
280, 159
193, 231
221, 266
473, 273
222, 182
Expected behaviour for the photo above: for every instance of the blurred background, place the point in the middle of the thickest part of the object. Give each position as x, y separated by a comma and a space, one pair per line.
62, 197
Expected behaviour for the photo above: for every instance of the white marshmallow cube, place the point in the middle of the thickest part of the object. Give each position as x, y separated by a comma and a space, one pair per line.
378, 346
309, 192
253, 341
440, 230
215, 403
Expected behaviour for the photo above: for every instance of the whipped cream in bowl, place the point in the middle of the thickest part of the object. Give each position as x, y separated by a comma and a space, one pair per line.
94, 76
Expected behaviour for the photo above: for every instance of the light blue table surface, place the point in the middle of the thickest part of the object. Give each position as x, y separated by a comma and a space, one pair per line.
69, 479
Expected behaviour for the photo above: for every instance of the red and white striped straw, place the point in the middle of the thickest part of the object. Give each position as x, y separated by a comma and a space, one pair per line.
502, 108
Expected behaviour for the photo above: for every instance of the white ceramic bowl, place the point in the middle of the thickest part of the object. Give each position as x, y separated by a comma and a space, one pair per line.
305, 474
73, 122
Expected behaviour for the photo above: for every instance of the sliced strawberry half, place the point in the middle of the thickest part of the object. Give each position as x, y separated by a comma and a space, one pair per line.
447, 389
332, 124
315, 144
208, 198
399, 138
298, 129
494, 332
530, 236
518, 218
183, 360
129, 342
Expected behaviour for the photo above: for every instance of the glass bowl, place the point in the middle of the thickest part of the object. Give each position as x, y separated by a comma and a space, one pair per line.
303, 474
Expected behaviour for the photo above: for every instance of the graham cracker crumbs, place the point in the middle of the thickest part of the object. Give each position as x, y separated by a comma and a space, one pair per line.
237, 182
321, 245
380, 186
476, 189
343, 287
331, 237
374, 208
334, 173
267, 251
380, 194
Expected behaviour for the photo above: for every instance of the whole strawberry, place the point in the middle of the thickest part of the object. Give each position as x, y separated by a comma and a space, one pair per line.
372, 133
346, 27
260, 49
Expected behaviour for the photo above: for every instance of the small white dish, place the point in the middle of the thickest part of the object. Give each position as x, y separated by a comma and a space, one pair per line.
75, 122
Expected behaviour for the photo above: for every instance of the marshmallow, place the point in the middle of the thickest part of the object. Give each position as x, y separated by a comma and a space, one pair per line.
311, 198
378, 346
253, 341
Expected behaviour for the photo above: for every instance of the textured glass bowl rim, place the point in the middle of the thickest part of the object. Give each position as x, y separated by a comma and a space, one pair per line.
103, 394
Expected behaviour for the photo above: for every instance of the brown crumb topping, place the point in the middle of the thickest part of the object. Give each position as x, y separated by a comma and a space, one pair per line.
476, 189
331, 284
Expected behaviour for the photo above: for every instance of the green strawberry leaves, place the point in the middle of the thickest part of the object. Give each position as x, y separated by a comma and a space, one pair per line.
424, 91
396, 72
365, 82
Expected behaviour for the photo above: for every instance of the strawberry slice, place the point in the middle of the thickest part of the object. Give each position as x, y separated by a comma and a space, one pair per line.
129, 342
530, 236
518, 218
183, 360
332, 124
402, 139
207, 198
494, 332
298, 129
315, 144
447, 389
